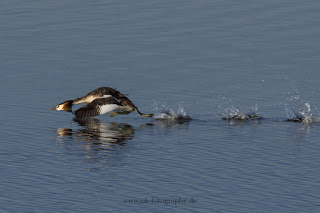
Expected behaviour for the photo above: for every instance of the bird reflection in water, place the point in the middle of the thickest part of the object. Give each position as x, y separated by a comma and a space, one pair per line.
99, 133
103, 142
99, 145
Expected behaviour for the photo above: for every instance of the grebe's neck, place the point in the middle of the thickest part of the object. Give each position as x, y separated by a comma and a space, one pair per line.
79, 101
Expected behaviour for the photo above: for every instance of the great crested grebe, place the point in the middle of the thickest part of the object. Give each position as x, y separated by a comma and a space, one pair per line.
100, 101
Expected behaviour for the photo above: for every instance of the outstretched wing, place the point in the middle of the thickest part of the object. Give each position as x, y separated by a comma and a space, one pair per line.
97, 107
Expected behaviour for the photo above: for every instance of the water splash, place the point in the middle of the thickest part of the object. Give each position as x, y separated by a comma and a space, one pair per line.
169, 114
298, 110
233, 113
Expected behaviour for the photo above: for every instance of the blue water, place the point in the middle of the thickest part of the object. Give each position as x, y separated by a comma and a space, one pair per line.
195, 57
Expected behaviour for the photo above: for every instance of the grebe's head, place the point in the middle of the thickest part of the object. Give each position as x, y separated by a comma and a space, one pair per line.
65, 106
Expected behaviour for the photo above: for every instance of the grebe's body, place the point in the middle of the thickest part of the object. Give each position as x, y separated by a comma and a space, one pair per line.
100, 101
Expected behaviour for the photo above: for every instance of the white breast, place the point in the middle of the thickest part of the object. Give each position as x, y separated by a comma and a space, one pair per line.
108, 108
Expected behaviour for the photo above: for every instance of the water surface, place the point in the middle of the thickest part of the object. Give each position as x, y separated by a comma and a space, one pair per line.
195, 57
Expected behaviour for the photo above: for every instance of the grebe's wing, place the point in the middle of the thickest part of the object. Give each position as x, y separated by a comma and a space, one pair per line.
97, 107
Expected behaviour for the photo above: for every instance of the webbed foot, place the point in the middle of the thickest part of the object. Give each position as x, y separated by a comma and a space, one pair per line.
112, 114
147, 115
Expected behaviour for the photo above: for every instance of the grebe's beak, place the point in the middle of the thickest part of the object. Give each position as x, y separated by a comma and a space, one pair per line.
54, 108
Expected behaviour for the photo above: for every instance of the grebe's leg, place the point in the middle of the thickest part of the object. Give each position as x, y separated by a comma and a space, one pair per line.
112, 114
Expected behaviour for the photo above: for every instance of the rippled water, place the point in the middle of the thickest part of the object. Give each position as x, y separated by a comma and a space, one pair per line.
203, 60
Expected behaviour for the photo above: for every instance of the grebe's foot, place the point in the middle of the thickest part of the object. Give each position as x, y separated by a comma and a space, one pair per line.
147, 115
112, 114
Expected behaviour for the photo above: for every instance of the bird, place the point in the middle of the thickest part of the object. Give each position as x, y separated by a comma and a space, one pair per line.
100, 101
